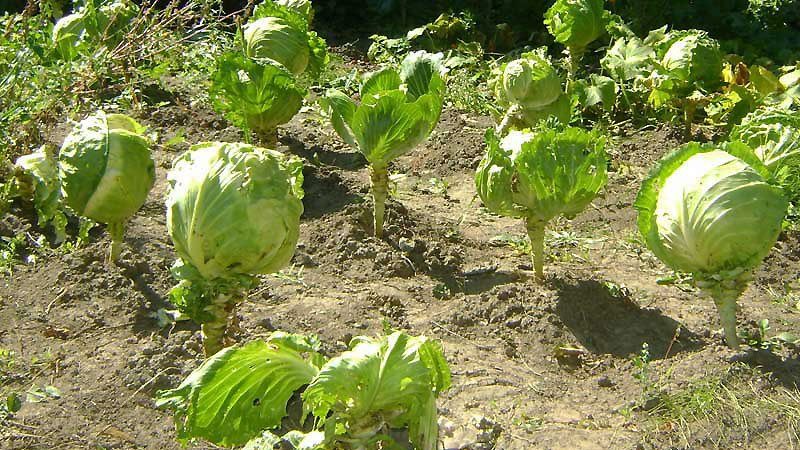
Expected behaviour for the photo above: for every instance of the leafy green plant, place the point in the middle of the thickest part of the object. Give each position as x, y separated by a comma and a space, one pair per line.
37, 178
398, 111
106, 172
255, 96
529, 89
95, 22
233, 211
540, 175
576, 24
708, 211
774, 135
280, 33
379, 384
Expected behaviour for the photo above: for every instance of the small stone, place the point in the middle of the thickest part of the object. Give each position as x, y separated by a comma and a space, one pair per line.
604, 381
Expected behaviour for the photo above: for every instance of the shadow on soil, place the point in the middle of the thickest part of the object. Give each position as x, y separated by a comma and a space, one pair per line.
605, 323
343, 160
786, 371
325, 192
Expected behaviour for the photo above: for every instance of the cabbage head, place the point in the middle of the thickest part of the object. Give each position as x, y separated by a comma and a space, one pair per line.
233, 211
280, 32
708, 211
531, 81
529, 89
67, 35
540, 175
39, 179
103, 23
255, 96
106, 171
692, 56
576, 23
398, 110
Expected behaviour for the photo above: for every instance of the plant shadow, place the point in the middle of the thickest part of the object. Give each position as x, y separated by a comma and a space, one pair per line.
343, 160
785, 371
614, 324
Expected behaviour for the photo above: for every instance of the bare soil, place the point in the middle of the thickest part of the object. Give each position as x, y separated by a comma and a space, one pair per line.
535, 366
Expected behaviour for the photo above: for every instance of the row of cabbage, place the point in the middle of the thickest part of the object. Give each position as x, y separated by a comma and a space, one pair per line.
696, 213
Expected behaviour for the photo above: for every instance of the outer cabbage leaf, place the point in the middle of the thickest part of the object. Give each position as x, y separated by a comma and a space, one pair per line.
704, 211
628, 59
241, 391
105, 168
234, 209
254, 96
67, 35
576, 23
392, 380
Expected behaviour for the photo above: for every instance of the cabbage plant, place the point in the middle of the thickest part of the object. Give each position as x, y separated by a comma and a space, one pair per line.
397, 112
255, 96
540, 175
95, 22
38, 179
241, 393
233, 212
280, 32
576, 24
708, 210
529, 89
774, 136
106, 172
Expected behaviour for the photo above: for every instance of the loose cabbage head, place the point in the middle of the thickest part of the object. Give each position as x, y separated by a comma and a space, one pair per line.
692, 57
281, 33
105, 168
542, 174
576, 23
774, 136
234, 209
254, 96
704, 211
398, 109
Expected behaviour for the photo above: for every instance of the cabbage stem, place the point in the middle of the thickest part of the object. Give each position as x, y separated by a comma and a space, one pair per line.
379, 176
510, 115
117, 233
222, 309
725, 299
536, 234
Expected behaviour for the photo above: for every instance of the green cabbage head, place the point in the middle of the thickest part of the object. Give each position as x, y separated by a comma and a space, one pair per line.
234, 209
693, 57
576, 23
708, 211
255, 96
774, 136
106, 171
101, 24
280, 32
540, 175
530, 81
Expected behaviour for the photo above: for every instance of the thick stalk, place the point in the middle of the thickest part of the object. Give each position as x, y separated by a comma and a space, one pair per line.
536, 234
725, 299
510, 115
379, 176
117, 233
222, 309
688, 116
574, 56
